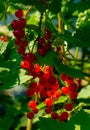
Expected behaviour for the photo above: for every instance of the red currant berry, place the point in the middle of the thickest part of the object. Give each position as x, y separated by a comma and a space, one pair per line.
64, 116
63, 76
18, 41
41, 41
65, 90
32, 104
22, 23
73, 87
48, 110
15, 24
19, 33
54, 115
21, 49
4, 38
47, 47
30, 92
25, 64
30, 115
48, 102
19, 13
73, 95
35, 110
41, 51
68, 106
51, 80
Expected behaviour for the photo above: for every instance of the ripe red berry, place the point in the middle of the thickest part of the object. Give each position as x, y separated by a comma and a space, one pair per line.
48, 110
32, 104
48, 102
68, 106
47, 36
25, 64
19, 33
18, 41
73, 87
63, 76
41, 41
63, 117
30, 92
69, 79
19, 13
65, 90
4, 38
51, 80
73, 94
22, 23
21, 49
30, 115
35, 110
47, 47
54, 115
15, 24
41, 51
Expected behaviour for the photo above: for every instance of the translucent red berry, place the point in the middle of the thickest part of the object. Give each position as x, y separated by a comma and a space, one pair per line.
35, 110
18, 41
32, 104
48, 102
15, 24
73, 94
63, 116
65, 90
48, 110
19, 13
22, 22
41, 41
54, 115
21, 49
68, 106
19, 33
30, 92
30, 115
25, 64
73, 87
41, 51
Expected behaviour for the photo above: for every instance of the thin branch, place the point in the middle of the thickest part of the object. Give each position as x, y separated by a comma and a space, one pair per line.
28, 11
40, 23
29, 124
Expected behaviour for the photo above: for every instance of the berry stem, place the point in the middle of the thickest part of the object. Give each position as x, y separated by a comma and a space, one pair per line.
40, 23
29, 124
28, 11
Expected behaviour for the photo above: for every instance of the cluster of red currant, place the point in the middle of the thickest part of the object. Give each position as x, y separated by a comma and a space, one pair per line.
19, 32
44, 86
44, 44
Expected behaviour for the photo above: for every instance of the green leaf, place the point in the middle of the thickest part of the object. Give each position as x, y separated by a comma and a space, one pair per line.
83, 36
55, 6
48, 59
23, 77
2, 7
6, 122
85, 92
76, 73
82, 119
50, 124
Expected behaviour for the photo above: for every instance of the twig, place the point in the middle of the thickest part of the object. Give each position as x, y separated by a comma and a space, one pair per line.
40, 23
28, 11
29, 124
